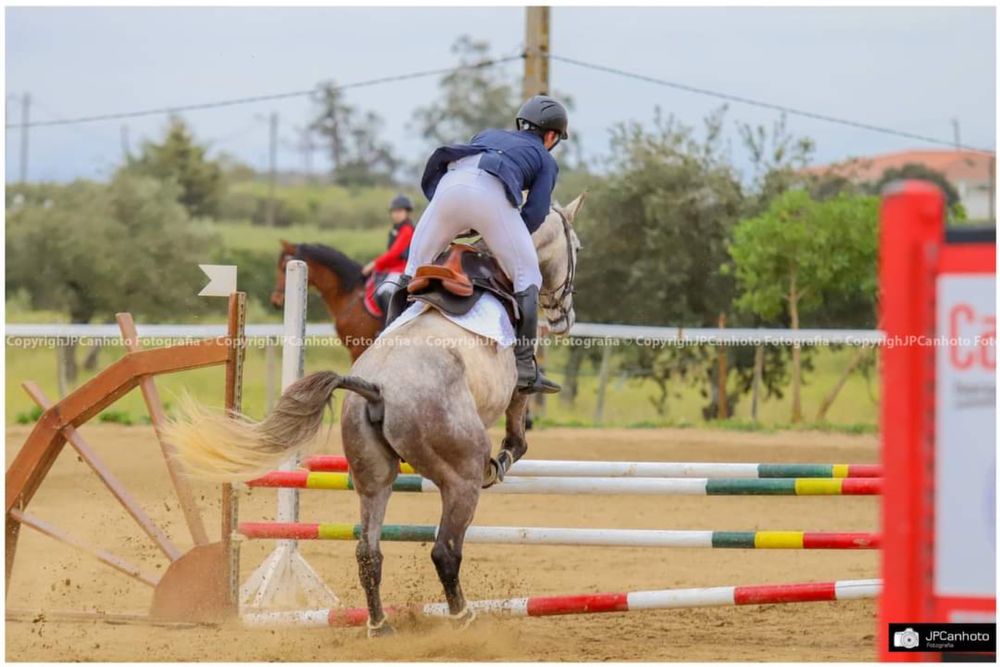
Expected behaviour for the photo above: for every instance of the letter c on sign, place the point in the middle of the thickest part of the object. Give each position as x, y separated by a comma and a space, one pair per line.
958, 359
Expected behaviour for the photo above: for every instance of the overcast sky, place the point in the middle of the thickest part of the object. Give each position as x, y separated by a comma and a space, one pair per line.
913, 69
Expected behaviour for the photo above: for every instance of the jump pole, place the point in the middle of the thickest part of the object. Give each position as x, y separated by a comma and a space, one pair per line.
285, 572
339, 481
593, 603
713, 539
545, 468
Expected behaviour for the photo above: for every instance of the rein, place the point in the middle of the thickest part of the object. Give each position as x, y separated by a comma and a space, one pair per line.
557, 295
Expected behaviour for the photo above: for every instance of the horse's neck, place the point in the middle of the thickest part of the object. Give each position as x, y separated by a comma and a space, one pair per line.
551, 249
331, 288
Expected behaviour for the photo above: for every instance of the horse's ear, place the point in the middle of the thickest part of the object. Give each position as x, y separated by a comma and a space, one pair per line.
573, 208
288, 248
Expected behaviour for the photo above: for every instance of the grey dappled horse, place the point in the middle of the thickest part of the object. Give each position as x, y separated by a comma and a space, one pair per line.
426, 393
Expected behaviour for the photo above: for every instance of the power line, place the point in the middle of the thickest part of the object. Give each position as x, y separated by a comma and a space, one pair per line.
491, 63
764, 105
58, 116
260, 98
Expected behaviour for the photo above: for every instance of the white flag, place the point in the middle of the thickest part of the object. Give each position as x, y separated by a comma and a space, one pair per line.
221, 279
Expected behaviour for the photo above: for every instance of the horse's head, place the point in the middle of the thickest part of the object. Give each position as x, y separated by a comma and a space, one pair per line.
332, 272
557, 246
288, 251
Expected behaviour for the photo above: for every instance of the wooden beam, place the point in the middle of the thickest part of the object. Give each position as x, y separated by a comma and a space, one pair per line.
26, 616
105, 557
189, 506
234, 406
45, 441
114, 485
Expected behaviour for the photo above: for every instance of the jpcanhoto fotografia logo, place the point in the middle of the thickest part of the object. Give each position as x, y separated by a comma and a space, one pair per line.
943, 637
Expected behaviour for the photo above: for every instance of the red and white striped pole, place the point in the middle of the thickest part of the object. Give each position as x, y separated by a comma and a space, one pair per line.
594, 603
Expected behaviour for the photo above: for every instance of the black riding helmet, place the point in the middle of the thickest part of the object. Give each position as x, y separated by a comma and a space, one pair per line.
544, 113
401, 201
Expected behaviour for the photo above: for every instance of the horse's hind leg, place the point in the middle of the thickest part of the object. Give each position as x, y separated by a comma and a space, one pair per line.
369, 555
514, 444
459, 498
373, 470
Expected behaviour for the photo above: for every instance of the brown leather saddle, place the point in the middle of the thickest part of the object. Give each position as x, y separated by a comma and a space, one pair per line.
459, 277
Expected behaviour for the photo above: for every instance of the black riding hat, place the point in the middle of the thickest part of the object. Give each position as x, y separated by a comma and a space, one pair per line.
545, 113
401, 201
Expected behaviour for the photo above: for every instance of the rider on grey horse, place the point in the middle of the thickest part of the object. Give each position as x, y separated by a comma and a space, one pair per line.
479, 185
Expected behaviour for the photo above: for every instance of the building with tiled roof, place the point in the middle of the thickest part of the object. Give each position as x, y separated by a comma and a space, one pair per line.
972, 173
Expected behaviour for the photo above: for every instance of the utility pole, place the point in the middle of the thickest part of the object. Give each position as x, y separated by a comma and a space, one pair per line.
958, 135
306, 146
536, 51
126, 149
536, 82
272, 170
25, 123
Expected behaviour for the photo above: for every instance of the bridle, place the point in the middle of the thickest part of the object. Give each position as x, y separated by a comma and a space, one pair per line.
283, 261
553, 299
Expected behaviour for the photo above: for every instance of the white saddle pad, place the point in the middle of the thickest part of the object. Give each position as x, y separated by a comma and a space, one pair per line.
487, 318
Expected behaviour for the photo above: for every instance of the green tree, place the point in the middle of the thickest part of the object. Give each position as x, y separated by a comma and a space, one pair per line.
800, 252
179, 158
357, 155
371, 161
478, 96
656, 230
472, 98
654, 238
100, 249
777, 158
91, 250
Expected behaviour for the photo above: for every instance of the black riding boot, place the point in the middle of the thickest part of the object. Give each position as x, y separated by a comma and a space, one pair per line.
397, 302
529, 379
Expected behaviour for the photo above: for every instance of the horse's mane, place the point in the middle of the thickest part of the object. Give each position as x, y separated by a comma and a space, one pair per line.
346, 268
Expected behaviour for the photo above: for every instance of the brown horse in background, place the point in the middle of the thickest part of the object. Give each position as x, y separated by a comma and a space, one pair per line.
338, 279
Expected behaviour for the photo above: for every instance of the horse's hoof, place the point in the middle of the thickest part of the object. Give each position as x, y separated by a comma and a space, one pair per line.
462, 619
381, 629
493, 474
490, 475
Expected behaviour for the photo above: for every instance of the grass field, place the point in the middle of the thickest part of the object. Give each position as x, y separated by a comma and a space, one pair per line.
360, 244
321, 204
627, 403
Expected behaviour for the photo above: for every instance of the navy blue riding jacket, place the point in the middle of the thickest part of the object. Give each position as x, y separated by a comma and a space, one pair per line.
518, 159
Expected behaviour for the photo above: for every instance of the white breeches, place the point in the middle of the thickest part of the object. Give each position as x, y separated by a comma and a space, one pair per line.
469, 198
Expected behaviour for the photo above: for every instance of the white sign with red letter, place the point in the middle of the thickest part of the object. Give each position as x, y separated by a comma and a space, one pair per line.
965, 460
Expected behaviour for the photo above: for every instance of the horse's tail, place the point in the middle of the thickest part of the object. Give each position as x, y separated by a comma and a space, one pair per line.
214, 446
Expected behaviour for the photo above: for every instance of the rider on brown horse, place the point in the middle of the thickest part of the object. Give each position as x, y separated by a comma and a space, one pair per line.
390, 265
479, 185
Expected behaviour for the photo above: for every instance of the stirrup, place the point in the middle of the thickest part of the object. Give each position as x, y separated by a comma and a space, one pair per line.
540, 385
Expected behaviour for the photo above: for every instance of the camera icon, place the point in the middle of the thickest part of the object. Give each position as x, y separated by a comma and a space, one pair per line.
908, 638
